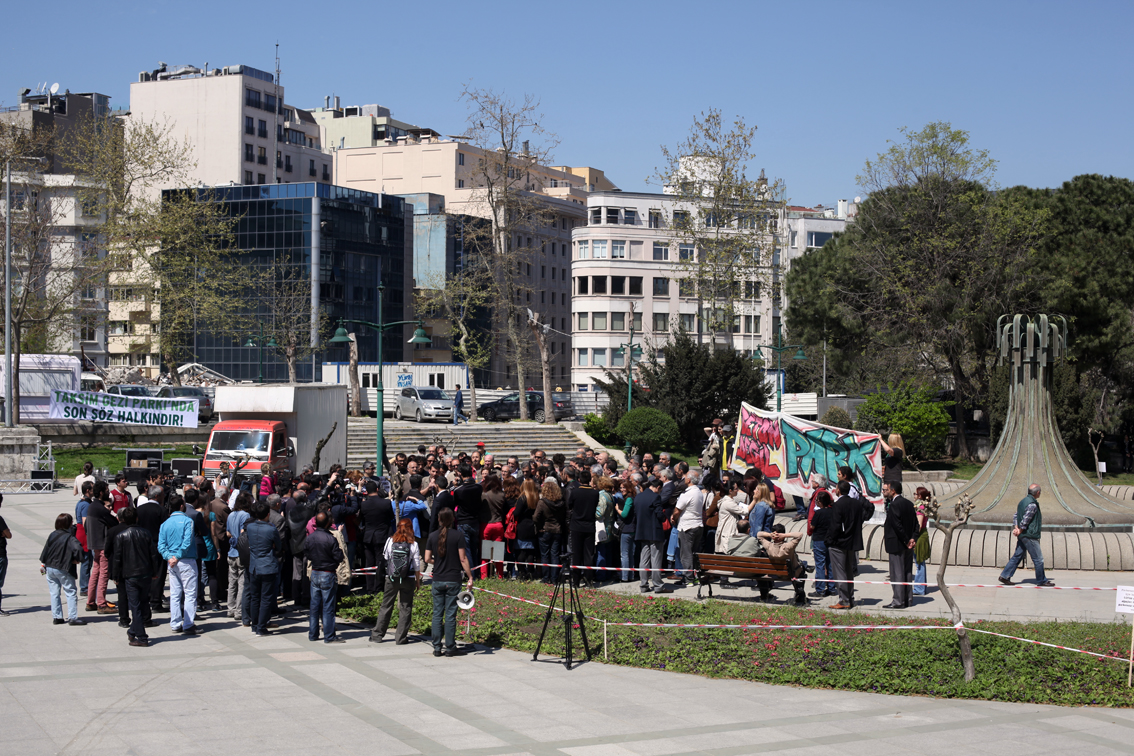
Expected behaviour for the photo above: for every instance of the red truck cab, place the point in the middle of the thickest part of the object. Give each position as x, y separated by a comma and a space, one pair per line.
259, 440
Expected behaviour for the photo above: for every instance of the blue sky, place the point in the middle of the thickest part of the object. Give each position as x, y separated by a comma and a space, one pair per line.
1044, 86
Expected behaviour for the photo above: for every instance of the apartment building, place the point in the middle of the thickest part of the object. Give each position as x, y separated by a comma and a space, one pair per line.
625, 277
811, 227
358, 125
424, 163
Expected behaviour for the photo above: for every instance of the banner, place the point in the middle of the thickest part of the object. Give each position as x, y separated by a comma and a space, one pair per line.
788, 450
91, 407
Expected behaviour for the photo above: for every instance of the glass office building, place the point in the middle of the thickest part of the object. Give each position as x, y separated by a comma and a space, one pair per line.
361, 241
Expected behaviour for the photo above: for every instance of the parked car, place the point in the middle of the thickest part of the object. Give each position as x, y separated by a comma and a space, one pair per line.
423, 403
92, 382
132, 389
508, 407
204, 403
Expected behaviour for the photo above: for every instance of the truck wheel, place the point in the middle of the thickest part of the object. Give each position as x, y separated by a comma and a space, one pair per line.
418, 416
398, 412
490, 414
539, 416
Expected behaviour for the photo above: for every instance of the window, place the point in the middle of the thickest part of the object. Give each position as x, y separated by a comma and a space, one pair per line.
563, 273
543, 271
680, 218
252, 98
618, 250
655, 219
311, 168
598, 249
818, 238
688, 322
263, 130
636, 321
553, 295
598, 321
553, 273
584, 249
261, 178
249, 153
120, 328
542, 297
529, 270
460, 158
630, 217
563, 324
618, 284
661, 322
612, 215
270, 103
618, 321
248, 177
287, 164
712, 219
661, 251
661, 287
794, 239
596, 216
635, 286
598, 284
751, 289
326, 172
250, 125
279, 159
88, 330
618, 357
584, 320
583, 354
685, 252
752, 324
685, 287
460, 183
736, 324
262, 155
599, 356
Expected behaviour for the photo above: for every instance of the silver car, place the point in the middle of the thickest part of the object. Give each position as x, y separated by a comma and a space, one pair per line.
204, 403
423, 403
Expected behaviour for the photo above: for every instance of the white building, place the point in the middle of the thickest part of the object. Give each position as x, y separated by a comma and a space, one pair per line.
624, 276
811, 227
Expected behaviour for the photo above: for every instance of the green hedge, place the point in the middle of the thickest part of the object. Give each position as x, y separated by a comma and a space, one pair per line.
917, 662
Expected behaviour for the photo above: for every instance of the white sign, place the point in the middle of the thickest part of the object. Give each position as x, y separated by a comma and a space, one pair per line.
1102, 467
405, 380
1124, 603
92, 407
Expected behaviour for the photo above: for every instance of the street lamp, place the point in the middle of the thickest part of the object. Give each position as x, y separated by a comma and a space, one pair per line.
259, 343
631, 353
8, 281
342, 338
779, 348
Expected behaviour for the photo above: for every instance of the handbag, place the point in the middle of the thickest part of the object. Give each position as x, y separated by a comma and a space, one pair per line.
712, 512
510, 524
600, 532
922, 548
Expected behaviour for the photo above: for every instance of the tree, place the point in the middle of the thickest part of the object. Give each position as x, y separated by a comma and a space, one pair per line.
503, 193
961, 512
692, 383
283, 295
836, 417
648, 429
911, 412
723, 220
539, 333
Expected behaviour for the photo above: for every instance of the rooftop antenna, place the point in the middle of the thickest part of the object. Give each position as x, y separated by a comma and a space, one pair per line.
54, 88
276, 121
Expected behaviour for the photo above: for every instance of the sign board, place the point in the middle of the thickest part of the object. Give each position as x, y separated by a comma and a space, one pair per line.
405, 380
1124, 602
92, 407
1102, 467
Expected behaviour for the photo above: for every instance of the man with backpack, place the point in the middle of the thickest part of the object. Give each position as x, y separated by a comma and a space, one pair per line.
403, 576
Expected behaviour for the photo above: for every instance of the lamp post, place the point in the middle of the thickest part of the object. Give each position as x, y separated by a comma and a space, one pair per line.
779, 348
628, 350
341, 338
8, 282
252, 342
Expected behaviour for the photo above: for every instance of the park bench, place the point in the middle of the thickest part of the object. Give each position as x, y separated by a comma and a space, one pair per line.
767, 570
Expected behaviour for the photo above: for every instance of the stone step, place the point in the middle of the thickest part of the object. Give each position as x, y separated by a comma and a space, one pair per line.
501, 439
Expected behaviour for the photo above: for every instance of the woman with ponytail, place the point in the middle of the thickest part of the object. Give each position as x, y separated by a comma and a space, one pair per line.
445, 550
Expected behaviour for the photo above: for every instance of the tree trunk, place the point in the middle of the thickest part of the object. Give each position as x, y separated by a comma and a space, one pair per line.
465, 336
520, 384
962, 634
545, 364
291, 357
352, 372
174, 376
959, 416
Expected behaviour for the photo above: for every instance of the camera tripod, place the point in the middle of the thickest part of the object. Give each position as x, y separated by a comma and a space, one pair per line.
567, 593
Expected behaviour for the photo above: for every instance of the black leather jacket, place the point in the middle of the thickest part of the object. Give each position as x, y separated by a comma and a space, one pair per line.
135, 554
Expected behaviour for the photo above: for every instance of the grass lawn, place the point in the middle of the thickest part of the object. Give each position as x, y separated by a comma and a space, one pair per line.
906, 662
69, 462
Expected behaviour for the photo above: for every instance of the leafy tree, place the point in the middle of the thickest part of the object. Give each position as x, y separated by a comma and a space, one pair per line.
648, 429
692, 383
837, 417
911, 412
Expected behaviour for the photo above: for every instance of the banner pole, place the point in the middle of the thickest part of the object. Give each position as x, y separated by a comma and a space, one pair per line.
1130, 668
606, 646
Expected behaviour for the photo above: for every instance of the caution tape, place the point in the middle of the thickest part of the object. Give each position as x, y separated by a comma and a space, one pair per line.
529, 601
1049, 645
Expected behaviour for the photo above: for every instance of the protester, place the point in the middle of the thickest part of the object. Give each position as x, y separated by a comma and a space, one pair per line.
377, 518
730, 513
324, 555
582, 504
119, 588
650, 536
761, 513
86, 476
57, 561
780, 545
82, 508
99, 520
177, 547
206, 553
922, 549
136, 561
819, 528
151, 515
604, 521
1026, 526
523, 514
900, 535
403, 577
743, 543
237, 583
627, 524
690, 526
445, 550
550, 521
496, 507
120, 495
468, 496
844, 540
264, 547
894, 451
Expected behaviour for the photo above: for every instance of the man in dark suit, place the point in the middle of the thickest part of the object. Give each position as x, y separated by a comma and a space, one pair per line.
900, 532
376, 519
583, 506
845, 540
151, 515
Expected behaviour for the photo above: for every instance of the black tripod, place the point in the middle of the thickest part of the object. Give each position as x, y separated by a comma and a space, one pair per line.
566, 591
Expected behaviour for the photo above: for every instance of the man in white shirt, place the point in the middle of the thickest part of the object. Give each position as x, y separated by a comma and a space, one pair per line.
690, 526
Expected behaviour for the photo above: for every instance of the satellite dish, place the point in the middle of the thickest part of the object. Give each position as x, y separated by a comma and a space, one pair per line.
858, 200
54, 87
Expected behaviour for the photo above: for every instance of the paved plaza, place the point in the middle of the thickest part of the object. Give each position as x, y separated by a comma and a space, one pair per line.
82, 690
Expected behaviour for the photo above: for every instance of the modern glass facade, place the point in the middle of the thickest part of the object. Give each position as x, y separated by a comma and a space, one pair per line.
361, 242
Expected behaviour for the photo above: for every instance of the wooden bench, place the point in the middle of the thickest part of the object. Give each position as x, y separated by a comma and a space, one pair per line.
710, 566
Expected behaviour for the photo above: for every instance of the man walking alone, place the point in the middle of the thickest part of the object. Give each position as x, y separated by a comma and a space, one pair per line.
1026, 527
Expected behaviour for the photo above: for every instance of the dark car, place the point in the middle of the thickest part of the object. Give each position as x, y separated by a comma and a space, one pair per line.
508, 407
204, 403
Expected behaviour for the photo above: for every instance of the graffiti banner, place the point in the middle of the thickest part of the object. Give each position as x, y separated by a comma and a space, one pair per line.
789, 450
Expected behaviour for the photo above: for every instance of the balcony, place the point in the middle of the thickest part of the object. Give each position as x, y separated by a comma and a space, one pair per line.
262, 159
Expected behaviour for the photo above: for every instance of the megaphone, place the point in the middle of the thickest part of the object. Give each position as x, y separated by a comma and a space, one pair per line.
465, 600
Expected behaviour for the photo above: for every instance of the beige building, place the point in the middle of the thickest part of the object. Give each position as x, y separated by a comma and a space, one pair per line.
422, 162
358, 125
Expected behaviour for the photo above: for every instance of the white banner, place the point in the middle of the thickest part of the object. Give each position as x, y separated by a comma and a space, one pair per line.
92, 407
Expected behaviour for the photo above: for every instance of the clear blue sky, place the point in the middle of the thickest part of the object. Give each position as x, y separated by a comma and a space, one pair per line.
1044, 86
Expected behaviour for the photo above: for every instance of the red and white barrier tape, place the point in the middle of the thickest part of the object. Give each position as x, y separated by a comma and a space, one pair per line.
1049, 645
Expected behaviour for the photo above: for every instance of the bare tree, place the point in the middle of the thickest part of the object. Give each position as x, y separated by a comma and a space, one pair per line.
961, 512
539, 333
505, 183
283, 294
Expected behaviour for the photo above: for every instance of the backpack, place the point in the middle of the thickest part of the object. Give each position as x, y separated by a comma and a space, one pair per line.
400, 561
244, 553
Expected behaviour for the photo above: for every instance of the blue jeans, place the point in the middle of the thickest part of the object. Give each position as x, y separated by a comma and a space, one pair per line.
57, 581
260, 594
182, 588
626, 542
801, 505
549, 554
472, 539
822, 567
672, 550
1032, 547
458, 416
322, 605
85, 572
445, 614
919, 577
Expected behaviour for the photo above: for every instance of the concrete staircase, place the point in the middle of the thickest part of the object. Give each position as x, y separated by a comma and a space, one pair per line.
500, 439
